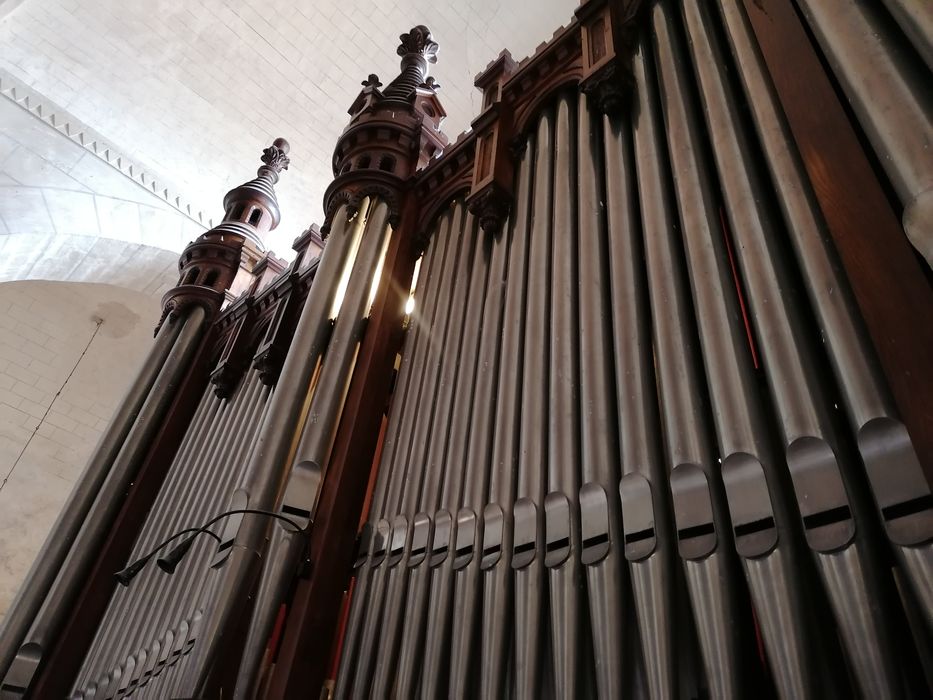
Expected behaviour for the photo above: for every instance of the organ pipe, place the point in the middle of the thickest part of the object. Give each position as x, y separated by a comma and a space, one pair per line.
42, 574
886, 88
639, 442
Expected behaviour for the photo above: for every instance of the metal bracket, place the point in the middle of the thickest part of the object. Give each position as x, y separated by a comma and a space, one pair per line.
750, 506
525, 541
420, 536
557, 529
466, 537
594, 523
399, 538
493, 521
441, 543
638, 528
693, 512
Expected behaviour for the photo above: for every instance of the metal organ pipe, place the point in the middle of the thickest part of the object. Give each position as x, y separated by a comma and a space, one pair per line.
890, 93
528, 511
702, 531
762, 518
647, 531
373, 540
309, 463
447, 460
916, 21
893, 467
210, 464
498, 520
126, 615
624, 452
92, 665
227, 481
561, 530
226, 493
57, 544
46, 623
824, 479
615, 632
428, 451
474, 489
267, 465
408, 453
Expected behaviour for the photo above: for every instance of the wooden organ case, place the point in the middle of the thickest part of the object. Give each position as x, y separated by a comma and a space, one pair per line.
625, 393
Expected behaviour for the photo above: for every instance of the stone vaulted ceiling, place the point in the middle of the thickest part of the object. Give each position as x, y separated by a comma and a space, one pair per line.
192, 90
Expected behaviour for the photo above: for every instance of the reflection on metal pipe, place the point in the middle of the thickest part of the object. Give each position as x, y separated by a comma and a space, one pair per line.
893, 468
761, 513
528, 515
266, 469
498, 514
916, 21
647, 532
825, 482
891, 96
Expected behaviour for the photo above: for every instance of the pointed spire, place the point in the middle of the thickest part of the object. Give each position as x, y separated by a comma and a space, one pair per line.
242, 203
417, 49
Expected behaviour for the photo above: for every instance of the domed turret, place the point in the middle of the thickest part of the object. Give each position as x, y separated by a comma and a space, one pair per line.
208, 265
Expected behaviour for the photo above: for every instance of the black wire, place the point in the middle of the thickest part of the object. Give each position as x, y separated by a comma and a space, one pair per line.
227, 514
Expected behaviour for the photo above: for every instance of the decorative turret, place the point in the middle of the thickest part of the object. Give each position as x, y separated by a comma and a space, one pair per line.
392, 132
209, 265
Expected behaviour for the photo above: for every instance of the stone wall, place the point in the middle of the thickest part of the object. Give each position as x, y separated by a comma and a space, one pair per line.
67, 352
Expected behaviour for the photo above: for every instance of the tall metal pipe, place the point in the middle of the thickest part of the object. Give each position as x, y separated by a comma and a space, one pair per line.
432, 435
528, 510
96, 526
49, 560
310, 460
916, 21
404, 488
368, 593
205, 588
203, 413
267, 466
627, 351
646, 518
891, 97
464, 588
450, 460
562, 534
765, 529
894, 470
130, 621
210, 478
702, 527
406, 388
156, 598
497, 515
825, 482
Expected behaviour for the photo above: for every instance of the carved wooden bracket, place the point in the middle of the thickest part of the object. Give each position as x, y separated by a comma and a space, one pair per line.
283, 300
234, 357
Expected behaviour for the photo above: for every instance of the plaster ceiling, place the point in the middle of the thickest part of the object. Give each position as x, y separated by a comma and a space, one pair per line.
194, 89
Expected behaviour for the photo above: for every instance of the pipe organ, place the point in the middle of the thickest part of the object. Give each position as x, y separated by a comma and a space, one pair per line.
624, 393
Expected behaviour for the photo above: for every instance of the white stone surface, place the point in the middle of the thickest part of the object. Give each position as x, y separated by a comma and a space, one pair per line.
67, 215
60, 380
194, 89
